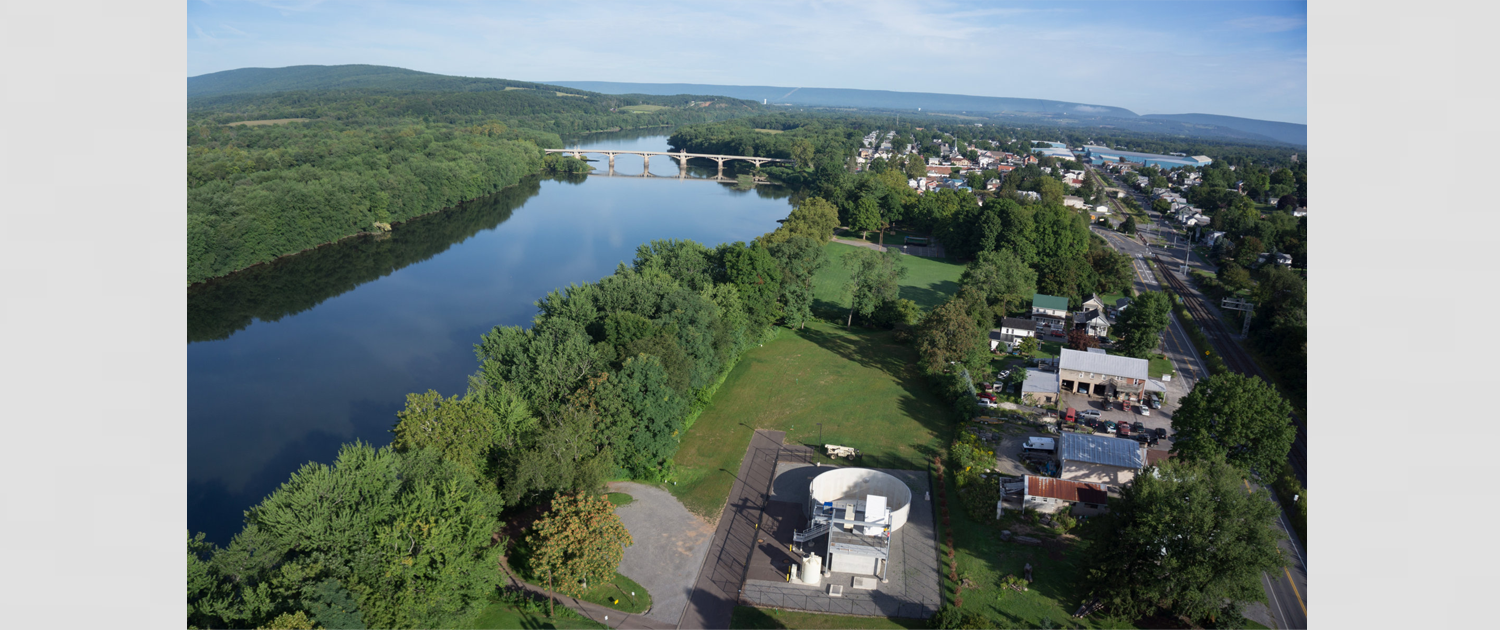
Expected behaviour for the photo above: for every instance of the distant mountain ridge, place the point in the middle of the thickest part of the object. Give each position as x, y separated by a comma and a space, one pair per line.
1020, 110
841, 97
348, 77
1290, 133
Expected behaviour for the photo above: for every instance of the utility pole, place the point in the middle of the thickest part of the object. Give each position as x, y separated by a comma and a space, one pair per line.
550, 611
1236, 304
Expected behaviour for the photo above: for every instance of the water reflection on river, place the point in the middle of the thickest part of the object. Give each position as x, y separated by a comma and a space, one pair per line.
290, 360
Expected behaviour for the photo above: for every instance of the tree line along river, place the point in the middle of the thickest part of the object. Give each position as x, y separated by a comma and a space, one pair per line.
289, 360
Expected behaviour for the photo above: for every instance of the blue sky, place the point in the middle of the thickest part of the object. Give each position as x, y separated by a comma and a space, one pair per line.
1244, 59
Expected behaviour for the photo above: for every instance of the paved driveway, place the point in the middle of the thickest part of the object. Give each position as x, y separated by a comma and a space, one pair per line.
670, 544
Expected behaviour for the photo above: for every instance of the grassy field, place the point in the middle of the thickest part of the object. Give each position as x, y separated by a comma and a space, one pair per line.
1057, 567
619, 498
929, 281
751, 617
771, 131
644, 109
1049, 350
862, 386
616, 594
499, 615
1159, 365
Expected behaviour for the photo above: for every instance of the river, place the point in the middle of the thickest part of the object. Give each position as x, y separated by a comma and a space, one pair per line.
288, 361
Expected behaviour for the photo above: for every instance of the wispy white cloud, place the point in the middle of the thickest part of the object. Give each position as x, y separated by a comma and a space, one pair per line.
1081, 52
202, 35
1268, 23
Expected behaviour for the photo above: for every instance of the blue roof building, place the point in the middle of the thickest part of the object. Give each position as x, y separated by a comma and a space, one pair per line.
1105, 154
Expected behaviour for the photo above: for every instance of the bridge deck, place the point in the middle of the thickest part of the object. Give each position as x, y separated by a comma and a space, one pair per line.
679, 154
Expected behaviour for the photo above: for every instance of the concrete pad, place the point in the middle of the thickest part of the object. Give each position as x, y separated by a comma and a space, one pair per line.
670, 545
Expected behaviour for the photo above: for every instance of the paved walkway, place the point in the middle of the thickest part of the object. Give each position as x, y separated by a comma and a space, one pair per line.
723, 572
670, 544
609, 617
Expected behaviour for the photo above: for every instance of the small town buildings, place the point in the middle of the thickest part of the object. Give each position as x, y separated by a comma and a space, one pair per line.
1050, 496
1049, 312
1099, 459
1074, 202
938, 170
1102, 155
1040, 387
1011, 331
1093, 321
1113, 377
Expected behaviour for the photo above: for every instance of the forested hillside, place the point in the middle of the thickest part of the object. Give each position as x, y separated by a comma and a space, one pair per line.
347, 77
387, 145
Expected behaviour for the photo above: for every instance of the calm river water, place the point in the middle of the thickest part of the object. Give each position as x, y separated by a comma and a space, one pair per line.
288, 361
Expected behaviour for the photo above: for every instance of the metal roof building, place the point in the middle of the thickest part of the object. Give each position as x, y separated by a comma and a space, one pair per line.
1149, 159
1108, 364
1108, 451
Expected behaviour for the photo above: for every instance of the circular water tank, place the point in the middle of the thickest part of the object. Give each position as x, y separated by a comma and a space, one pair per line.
854, 484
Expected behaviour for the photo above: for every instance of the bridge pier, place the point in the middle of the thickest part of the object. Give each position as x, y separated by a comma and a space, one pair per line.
645, 165
721, 165
682, 163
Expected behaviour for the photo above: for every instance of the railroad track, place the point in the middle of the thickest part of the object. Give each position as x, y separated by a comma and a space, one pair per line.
1234, 356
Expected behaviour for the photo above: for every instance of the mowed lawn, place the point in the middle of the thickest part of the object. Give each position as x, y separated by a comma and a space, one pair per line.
928, 282
751, 617
861, 385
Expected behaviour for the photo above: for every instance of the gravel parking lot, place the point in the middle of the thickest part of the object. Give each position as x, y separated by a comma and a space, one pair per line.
1007, 440
1159, 417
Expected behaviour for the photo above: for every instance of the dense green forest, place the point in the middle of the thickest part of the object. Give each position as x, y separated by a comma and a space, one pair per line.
221, 307
375, 148
601, 386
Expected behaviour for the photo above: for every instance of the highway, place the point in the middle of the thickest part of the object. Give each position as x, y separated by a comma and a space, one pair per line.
1286, 592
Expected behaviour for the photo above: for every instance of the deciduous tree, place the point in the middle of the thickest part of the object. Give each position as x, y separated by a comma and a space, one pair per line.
578, 541
1139, 326
1239, 418
1001, 279
874, 279
1187, 540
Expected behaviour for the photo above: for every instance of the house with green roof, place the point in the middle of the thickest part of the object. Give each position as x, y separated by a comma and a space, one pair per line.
1050, 313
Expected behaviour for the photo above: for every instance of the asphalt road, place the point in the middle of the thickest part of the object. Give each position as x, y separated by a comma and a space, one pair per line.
1287, 592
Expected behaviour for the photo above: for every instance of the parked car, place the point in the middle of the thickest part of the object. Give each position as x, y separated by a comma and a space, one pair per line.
1071, 415
988, 403
1156, 403
1145, 411
1122, 429
1089, 413
1109, 426
1161, 434
1138, 426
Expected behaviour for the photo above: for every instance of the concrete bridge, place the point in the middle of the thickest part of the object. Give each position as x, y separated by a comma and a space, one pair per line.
682, 157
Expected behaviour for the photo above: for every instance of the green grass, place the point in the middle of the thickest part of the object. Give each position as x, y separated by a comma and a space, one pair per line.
619, 498
499, 615
892, 237
928, 282
985, 559
770, 131
1159, 365
751, 617
863, 386
643, 109
616, 594
1049, 350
